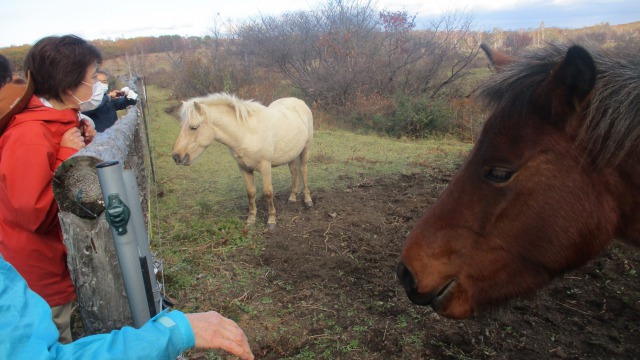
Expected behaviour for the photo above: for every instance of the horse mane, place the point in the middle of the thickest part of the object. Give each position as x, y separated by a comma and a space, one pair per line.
611, 128
243, 108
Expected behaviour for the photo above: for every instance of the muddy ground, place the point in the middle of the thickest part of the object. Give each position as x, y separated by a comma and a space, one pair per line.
332, 291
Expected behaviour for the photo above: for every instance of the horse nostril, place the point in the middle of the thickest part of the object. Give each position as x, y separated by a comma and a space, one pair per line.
406, 278
176, 158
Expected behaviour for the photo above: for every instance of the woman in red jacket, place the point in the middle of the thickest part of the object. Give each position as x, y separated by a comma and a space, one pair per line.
35, 142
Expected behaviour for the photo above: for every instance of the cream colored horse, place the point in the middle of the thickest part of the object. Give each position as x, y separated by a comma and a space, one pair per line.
257, 136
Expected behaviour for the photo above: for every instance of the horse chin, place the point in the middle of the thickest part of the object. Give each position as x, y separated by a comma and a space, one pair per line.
441, 301
451, 301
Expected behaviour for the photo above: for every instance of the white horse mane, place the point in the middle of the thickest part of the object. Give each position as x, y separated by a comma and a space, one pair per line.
243, 108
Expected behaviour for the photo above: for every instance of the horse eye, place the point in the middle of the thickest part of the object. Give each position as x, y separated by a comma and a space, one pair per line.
498, 175
194, 127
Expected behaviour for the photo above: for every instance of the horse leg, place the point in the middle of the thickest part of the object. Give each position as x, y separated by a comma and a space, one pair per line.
294, 168
267, 190
304, 159
251, 194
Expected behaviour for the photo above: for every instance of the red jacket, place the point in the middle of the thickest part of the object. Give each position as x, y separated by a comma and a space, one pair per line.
30, 233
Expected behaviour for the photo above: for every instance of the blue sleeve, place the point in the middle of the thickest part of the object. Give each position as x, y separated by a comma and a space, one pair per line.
122, 102
27, 331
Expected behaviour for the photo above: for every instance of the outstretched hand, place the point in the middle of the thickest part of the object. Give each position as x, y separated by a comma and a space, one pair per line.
214, 331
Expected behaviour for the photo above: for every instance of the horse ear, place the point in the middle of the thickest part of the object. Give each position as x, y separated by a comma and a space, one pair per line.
569, 85
577, 73
497, 58
198, 107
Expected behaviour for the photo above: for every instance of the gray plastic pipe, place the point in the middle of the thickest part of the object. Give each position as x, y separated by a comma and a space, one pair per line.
114, 192
142, 238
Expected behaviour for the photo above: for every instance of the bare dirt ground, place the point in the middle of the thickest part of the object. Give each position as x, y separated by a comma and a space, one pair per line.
332, 291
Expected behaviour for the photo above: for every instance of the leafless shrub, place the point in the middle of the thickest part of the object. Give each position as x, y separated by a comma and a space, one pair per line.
346, 47
209, 68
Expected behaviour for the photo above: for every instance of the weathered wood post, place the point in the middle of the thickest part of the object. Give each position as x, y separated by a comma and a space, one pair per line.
91, 252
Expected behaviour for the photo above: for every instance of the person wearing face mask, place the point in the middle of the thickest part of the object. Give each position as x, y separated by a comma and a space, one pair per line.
105, 114
35, 142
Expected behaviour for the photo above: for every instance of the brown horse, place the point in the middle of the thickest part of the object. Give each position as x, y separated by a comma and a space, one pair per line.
553, 178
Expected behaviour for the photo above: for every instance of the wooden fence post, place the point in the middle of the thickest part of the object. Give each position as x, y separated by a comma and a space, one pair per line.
91, 253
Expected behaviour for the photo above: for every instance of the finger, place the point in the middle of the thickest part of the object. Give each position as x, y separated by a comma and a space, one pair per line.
236, 336
241, 350
228, 332
231, 330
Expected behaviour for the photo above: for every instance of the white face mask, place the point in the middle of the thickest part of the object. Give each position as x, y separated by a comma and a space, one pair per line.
105, 87
94, 101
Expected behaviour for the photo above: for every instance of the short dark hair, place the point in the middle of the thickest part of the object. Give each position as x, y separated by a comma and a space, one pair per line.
58, 63
5, 71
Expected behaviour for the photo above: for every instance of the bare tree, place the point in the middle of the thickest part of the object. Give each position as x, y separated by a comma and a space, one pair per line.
346, 47
518, 41
322, 52
208, 67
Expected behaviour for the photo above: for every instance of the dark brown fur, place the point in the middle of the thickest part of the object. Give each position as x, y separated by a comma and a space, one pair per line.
551, 181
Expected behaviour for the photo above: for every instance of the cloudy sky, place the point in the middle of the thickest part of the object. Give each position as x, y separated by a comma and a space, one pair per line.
26, 21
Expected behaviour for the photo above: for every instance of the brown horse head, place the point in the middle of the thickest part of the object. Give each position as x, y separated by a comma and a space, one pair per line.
531, 201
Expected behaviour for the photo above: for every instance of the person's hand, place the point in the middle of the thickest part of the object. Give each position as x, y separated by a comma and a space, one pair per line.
89, 131
72, 138
214, 331
130, 94
115, 93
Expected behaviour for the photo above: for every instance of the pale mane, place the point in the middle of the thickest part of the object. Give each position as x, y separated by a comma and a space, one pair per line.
243, 108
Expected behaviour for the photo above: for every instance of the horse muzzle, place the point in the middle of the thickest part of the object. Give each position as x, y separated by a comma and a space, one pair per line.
437, 299
186, 160
408, 282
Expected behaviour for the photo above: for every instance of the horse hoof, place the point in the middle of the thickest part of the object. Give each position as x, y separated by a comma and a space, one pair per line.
308, 204
291, 201
271, 226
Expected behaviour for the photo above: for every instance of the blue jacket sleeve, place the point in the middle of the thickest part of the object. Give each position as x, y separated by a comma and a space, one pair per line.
27, 331
122, 102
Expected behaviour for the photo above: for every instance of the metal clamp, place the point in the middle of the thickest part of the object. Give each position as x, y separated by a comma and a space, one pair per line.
117, 214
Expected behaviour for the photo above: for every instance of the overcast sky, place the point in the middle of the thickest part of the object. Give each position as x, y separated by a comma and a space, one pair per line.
26, 21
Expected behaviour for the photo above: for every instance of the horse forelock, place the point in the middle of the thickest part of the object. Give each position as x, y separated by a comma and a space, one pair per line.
189, 115
611, 127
